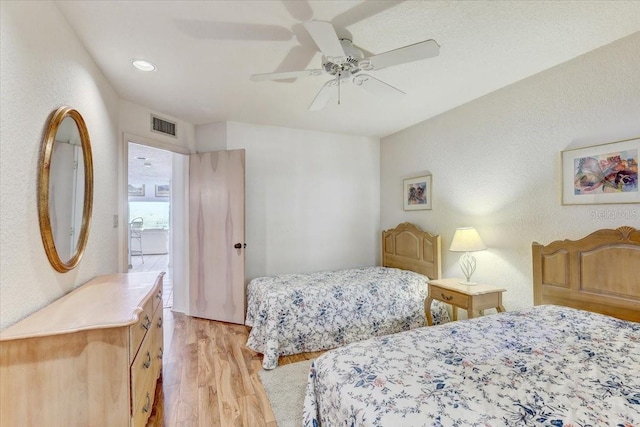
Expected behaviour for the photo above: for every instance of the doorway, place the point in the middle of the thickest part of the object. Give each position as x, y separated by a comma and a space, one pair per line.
149, 207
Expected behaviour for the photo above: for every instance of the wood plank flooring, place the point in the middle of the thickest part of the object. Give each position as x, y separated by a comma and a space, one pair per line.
209, 377
156, 263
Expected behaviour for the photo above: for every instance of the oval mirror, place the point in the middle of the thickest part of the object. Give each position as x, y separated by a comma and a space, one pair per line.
65, 188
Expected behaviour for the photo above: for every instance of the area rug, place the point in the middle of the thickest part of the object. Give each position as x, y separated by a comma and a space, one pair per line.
285, 387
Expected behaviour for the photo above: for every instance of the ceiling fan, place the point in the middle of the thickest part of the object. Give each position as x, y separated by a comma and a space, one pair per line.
346, 62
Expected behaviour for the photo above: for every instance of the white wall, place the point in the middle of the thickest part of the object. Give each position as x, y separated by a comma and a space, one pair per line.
44, 66
136, 120
211, 137
312, 199
135, 126
496, 163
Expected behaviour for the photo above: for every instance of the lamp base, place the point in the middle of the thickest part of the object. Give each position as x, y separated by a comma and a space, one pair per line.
468, 266
466, 282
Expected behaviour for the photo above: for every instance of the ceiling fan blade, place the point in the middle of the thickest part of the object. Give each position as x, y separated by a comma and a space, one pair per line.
365, 52
285, 75
299, 9
326, 93
298, 58
326, 39
375, 86
414, 52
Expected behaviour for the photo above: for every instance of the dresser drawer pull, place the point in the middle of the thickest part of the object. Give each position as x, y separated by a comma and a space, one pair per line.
146, 407
148, 362
446, 298
147, 322
159, 322
160, 353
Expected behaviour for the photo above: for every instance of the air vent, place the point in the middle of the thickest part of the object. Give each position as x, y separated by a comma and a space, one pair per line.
163, 126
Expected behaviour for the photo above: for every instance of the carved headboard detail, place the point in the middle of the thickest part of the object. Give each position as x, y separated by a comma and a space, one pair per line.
600, 273
409, 248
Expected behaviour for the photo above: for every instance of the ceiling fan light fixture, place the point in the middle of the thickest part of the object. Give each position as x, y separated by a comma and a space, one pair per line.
143, 65
344, 61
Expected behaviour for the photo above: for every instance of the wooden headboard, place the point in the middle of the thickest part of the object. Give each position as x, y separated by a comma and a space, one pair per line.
409, 248
599, 273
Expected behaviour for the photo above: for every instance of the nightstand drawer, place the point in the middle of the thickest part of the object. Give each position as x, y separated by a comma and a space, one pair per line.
473, 298
449, 296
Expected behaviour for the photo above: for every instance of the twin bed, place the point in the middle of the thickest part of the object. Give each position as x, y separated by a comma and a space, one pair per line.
297, 313
563, 362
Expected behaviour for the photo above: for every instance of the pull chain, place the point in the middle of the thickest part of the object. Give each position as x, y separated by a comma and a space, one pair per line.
338, 77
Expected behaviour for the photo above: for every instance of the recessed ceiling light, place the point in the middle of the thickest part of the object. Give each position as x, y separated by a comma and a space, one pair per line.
143, 65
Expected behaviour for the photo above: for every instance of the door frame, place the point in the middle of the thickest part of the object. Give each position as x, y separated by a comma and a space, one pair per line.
124, 193
123, 236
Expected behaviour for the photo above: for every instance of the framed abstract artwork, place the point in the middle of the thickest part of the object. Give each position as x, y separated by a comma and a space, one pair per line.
606, 173
416, 193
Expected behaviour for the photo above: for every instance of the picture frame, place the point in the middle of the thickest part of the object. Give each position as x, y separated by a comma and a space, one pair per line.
416, 193
136, 190
601, 174
163, 190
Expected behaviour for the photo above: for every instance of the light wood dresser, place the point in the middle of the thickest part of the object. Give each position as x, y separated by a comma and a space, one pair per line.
91, 358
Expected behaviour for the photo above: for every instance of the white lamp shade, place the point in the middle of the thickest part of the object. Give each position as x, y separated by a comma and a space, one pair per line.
466, 239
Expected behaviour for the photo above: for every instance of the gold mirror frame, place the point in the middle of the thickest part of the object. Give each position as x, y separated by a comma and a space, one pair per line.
44, 170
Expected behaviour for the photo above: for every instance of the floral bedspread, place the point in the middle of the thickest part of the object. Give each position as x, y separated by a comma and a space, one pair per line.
298, 313
544, 366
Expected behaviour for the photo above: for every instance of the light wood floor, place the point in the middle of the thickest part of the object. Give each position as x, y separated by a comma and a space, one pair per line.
156, 263
209, 377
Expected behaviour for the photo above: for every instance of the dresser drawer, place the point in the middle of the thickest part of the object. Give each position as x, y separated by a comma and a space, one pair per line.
139, 330
143, 380
142, 408
157, 343
450, 297
157, 298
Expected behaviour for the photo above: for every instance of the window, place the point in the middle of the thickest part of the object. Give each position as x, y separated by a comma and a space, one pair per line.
154, 214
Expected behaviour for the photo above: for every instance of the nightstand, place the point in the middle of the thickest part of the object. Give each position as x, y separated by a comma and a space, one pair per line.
473, 298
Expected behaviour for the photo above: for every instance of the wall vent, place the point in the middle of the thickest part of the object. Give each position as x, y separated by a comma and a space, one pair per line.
163, 126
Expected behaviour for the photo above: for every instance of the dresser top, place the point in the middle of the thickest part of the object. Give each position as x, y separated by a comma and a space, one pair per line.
104, 302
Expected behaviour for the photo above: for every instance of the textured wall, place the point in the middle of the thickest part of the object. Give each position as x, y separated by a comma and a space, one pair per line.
135, 120
312, 199
496, 163
44, 66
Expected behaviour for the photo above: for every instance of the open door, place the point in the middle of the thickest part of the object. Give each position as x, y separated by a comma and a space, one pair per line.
216, 236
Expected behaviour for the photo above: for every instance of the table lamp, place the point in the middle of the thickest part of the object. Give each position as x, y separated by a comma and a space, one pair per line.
467, 239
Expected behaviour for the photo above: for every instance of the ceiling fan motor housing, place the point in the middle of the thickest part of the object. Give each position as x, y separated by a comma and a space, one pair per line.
346, 62
347, 65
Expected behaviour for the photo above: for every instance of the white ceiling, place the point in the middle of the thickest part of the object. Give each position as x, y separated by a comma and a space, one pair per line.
206, 51
149, 164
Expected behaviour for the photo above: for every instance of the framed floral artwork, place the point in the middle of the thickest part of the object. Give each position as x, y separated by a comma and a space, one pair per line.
416, 193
